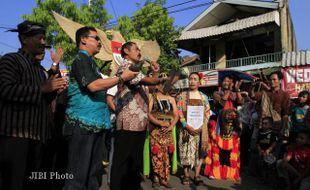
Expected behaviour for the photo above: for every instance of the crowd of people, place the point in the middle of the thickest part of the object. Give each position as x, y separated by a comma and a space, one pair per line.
132, 125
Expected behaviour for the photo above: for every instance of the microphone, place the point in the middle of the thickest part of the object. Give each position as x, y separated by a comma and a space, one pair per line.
146, 59
138, 66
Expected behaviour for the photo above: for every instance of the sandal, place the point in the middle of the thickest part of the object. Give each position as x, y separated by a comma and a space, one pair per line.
186, 180
168, 185
197, 180
156, 185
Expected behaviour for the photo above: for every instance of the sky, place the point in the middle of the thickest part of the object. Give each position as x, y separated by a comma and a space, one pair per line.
11, 11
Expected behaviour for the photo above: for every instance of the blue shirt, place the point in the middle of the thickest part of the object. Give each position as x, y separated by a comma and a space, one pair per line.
86, 109
297, 116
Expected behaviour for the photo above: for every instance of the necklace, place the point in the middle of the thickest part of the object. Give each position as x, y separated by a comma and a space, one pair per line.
227, 136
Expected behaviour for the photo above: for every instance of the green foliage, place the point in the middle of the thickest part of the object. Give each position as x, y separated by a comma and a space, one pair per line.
127, 28
95, 16
152, 22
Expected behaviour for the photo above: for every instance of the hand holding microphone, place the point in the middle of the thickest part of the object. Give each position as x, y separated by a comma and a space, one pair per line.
154, 66
137, 67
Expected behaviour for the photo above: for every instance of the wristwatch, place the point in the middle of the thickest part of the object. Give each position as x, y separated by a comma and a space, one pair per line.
120, 80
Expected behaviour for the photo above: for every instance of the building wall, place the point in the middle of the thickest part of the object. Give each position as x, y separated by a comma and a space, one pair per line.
221, 54
277, 40
288, 39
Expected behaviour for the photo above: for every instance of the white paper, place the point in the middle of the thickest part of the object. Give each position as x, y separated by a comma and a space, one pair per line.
195, 116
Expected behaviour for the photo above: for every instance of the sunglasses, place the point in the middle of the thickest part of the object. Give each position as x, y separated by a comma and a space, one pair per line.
95, 37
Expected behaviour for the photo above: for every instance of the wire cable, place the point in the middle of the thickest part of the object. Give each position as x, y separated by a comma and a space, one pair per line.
7, 45
112, 23
116, 16
171, 12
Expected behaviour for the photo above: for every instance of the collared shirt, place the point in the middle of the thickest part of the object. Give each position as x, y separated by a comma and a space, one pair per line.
112, 92
85, 109
24, 111
280, 101
131, 103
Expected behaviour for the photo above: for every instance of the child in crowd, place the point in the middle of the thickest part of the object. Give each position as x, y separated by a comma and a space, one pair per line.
266, 142
294, 168
298, 114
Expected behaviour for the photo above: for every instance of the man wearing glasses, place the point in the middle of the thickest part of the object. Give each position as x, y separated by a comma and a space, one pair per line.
87, 114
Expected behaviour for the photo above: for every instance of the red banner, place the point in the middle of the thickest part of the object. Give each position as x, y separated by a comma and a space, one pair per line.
116, 49
296, 79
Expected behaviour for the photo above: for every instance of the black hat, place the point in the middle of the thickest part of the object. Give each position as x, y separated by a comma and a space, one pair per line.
29, 28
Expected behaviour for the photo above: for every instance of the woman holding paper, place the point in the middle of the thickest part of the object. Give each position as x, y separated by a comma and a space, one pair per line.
194, 112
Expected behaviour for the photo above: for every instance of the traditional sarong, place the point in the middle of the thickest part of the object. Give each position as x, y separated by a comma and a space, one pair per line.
160, 144
189, 148
147, 154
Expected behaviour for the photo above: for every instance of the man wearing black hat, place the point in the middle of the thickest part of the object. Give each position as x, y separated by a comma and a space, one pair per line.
25, 96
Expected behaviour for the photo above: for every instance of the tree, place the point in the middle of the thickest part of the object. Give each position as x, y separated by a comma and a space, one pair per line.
95, 16
152, 22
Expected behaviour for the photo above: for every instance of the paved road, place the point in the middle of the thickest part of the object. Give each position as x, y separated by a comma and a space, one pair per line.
246, 183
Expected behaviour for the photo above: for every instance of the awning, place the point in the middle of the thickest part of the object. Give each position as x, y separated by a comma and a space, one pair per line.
231, 27
297, 58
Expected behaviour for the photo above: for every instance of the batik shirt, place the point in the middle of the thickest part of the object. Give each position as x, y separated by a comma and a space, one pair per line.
86, 109
131, 103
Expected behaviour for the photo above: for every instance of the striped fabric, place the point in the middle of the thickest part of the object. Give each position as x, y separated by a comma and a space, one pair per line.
24, 110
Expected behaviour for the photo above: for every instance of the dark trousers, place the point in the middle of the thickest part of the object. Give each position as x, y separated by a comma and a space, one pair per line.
19, 157
107, 136
56, 161
245, 146
127, 160
85, 155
